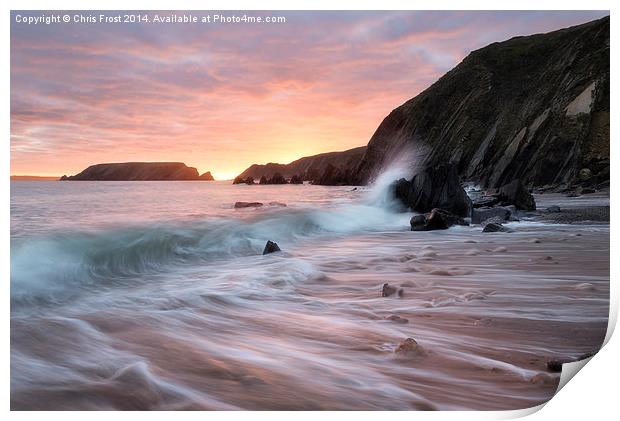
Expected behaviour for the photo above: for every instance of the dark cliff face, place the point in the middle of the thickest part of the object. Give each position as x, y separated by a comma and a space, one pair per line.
534, 108
316, 168
139, 171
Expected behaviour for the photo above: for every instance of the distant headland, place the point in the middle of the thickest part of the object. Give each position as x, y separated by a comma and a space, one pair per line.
139, 171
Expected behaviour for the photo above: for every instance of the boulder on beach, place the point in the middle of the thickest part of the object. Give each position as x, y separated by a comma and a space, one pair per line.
495, 227
515, 193
408, 346
239, 205
271, 247
480, 215
435, 187
436, 219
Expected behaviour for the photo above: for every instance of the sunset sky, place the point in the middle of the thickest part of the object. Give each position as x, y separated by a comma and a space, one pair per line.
221, 97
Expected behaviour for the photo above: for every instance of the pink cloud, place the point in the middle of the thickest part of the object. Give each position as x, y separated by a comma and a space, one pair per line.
223, 97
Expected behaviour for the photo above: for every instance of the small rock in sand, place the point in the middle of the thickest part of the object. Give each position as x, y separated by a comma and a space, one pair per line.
535, 240
389, 290
500, 249
555, 365
470, 241
585, 286
472, 252
541, 378
428, 253
397, 319
408, 346
271, 247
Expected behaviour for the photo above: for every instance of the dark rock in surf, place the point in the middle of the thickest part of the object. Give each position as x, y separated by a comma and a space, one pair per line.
271, 247
495, 227
388, 291
554, 209
435, 187
240, 205
418, 223
484, 201
480, 215
587, 190
436, 219
515, 193
280, 204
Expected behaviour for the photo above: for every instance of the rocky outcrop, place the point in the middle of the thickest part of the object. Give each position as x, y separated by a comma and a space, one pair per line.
434, 187
277, 178
534, 108
206, 176
139, 171
296, 180
241, 180
318, 169
437, 219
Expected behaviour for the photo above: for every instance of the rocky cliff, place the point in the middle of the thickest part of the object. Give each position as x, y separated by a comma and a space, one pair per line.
312, 168
533, 107
139, 171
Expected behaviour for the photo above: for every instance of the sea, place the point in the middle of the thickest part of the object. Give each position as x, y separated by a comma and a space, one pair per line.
156, 296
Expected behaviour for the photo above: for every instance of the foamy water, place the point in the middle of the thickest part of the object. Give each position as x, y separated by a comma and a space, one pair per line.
155, 295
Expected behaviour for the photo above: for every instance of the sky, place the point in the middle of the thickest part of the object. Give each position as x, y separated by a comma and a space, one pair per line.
221, 97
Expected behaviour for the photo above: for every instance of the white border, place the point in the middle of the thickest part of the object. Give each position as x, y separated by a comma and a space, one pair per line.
592, 394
